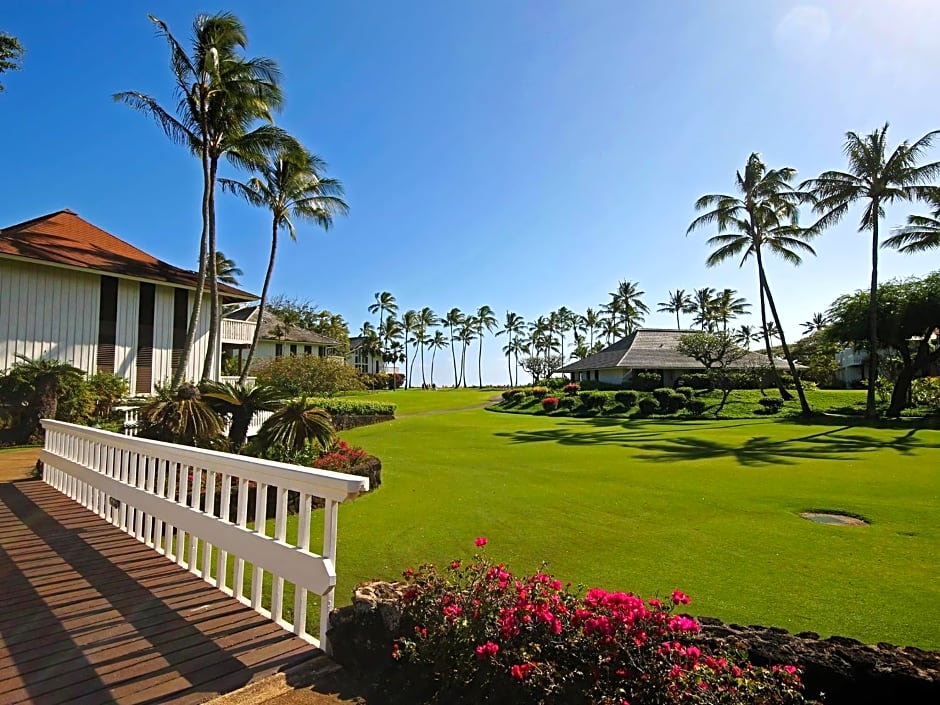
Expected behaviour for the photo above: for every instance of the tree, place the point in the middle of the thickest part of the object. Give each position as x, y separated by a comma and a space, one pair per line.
679, 302
220, 95
703, 304
716, 351
390, 330
409, 323
765, 215
11, 55
226, 270
466, 335
564, 321
295, 375
303, 314
745, 335
590, 322
909, 320
384, 303
427, 319
437, 342
728, 305
876, 178
454, 319
485, 320
290, 183
921, 233
541, 367
512, 327
627, 302
816, 323
239, 403
44, 379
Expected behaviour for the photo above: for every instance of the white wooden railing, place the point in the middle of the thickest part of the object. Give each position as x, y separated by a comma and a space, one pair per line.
237, 332
230, 379
178, 500
131, 419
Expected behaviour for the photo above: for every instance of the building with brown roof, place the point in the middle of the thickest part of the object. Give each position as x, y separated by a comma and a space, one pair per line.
76, 293
649, 350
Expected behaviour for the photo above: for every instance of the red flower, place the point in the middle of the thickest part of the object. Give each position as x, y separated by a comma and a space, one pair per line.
480, 541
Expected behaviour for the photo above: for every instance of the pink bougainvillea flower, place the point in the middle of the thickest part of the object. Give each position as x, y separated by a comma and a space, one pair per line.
481, 541
680, 598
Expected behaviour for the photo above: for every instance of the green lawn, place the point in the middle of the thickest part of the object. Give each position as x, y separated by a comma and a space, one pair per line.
648, 506
416, 401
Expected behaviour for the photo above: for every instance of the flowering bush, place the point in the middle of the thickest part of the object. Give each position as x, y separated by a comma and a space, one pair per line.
341, 457
539, 392
550, 403
490, 636
572, 388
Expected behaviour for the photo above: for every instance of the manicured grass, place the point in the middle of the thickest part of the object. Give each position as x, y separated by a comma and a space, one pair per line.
416, 401
709, 507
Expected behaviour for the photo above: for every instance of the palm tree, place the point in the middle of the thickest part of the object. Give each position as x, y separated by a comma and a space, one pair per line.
225, 269
745, 335
728, 305
466, 336
292, 186
11, 54
485, 321
565, 321
703, 306
240, 403
679, 302
384, 303
409, 324
438, 342
180, 416
611, 328
876, 178
296, 424
221, 94
626, 300
427, 319
454, 319
512, 327
770, 331
765, 215
589, 322
391, 331
921, 233
816, 323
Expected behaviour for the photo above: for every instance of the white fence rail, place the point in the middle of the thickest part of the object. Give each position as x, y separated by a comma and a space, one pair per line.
233, 379
237, 332
192, 506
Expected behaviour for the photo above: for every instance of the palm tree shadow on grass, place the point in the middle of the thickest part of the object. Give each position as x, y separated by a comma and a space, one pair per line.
831, 444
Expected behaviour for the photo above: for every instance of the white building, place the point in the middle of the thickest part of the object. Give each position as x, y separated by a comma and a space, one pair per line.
360, 356
73, 292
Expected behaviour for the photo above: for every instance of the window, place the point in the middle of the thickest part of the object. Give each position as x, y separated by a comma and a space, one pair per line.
145, 311
293, 350
107, 324
278, 349
308, 350
180, 322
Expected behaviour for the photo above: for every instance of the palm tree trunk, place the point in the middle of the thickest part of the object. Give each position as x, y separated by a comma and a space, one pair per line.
804, 405
775, 376
480, 361
261, 304
215, 312
433, 354
678, 327
453, 354
411, 372
408, 379
193, 326
871, 412
423, 383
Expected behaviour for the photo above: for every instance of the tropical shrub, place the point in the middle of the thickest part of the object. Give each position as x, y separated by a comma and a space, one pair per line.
572, 388
539, 392
550, 403
487, 635
106, 390
239, 403
180, 416
627, 398
295, 425
569, 403
340, 457
647, 406
696, 407
687, 392
696, 380
298, 375
771, 405
926, 392
647, 381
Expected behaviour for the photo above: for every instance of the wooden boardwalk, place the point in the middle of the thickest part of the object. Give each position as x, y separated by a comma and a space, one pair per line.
90, 615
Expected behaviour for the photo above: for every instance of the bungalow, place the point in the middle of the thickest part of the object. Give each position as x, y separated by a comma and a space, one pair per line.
363, 359
72, 292
648, 350
277, 338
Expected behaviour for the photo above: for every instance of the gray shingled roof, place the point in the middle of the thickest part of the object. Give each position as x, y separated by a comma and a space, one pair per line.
289, 334
653, 349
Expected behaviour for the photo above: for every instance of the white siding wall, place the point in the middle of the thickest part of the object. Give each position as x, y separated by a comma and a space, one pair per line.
612, 376
48, 312
194, 368
163, 334
265, 348
125, 342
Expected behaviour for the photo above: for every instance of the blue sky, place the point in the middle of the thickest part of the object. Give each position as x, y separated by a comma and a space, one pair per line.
524, 155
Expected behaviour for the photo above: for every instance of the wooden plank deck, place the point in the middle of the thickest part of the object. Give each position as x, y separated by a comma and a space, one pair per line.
90, 615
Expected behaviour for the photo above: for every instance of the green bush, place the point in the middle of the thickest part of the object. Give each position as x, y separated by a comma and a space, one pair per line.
745, 380
597, 385
647, 406
353, 406
686, 391
696, 407
593, 400
771, 405
512, 394
627, 398
550, 403
298, 375
106, 391
669, 400
647, 381
569, 403
696, 380
539, 392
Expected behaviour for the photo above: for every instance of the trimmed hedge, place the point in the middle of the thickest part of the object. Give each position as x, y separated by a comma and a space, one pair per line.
627, 398
341, 406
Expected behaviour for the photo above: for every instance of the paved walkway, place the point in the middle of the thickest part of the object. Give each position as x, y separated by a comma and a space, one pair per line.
90, 615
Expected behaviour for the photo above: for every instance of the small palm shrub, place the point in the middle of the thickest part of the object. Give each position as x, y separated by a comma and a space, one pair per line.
771, 405
626, 398
180, 416
550, 403
239, 403
295, 425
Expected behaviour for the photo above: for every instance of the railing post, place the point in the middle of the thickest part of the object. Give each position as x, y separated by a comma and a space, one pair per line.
330, 517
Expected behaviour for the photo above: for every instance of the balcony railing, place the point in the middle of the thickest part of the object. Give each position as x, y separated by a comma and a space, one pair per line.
237, 332
191, 505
